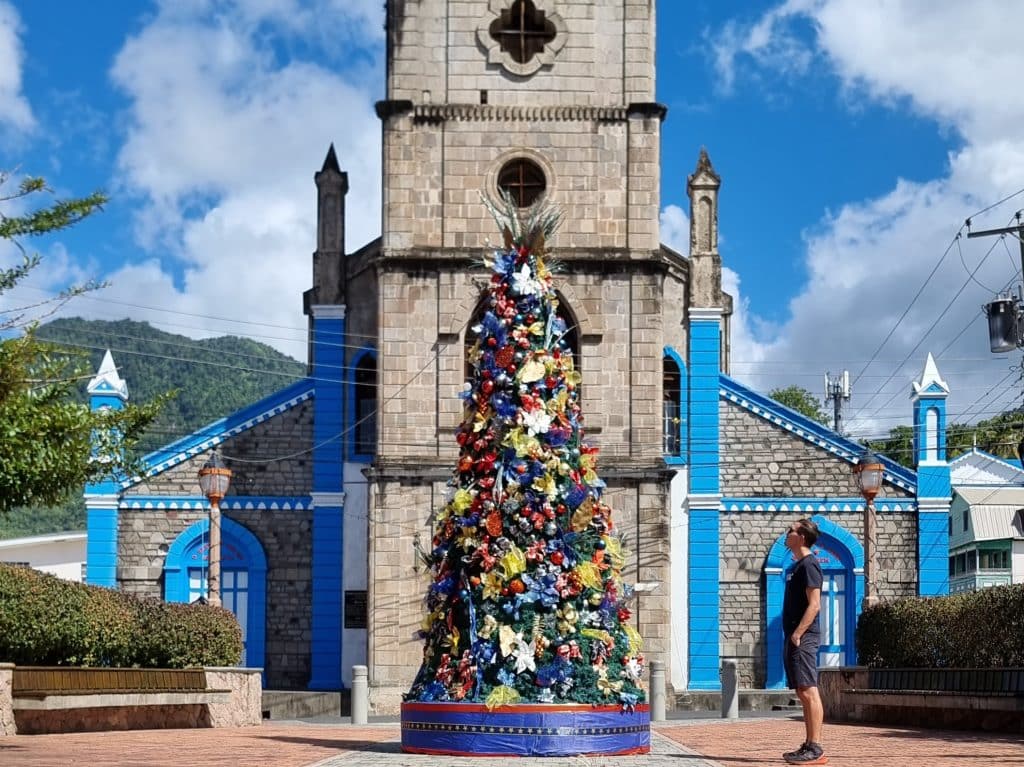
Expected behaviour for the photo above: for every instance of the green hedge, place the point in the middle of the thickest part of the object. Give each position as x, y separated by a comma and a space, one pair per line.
46, 621
983, 629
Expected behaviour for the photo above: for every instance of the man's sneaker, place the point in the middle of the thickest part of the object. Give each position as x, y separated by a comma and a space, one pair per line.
790, 754
809, 753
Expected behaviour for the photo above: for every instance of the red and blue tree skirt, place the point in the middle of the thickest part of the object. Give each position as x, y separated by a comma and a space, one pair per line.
536, 729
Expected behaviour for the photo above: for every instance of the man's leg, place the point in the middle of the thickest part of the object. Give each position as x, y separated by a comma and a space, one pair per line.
814, 713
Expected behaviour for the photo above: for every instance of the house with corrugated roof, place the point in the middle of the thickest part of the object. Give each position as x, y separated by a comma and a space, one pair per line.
986, 522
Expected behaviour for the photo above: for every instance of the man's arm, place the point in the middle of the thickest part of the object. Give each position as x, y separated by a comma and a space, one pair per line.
813, 606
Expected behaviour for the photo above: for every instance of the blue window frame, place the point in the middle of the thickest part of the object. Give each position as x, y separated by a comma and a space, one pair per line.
675, 440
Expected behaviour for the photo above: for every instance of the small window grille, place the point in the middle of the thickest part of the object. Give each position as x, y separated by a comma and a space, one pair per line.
523, 179
522, 31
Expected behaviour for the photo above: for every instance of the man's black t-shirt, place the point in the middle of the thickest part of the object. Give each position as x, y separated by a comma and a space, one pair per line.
805, 574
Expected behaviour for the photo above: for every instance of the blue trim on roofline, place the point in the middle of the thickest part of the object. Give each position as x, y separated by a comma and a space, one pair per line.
815, 505
220, 430
231, 503
809, 430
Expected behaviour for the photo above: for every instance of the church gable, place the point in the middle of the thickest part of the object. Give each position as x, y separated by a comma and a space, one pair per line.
980, 468
768, 450
280, 425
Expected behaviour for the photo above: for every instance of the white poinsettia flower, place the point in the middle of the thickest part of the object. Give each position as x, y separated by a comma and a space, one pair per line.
524, 283
634, 669
536, 422
524, 657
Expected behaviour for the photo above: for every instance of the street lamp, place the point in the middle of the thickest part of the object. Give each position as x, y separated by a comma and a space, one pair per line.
214, 479
868, 472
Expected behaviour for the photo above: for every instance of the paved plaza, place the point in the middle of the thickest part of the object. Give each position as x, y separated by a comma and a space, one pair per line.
680, 743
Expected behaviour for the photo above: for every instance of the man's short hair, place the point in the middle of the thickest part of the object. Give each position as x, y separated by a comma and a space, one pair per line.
808, 531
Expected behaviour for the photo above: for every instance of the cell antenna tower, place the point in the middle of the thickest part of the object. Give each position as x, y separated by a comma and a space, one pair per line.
837, 391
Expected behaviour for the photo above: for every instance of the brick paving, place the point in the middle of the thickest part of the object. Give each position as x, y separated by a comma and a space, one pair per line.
689, 743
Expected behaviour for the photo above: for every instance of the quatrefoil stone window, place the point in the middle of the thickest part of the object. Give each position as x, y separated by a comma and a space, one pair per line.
522, 36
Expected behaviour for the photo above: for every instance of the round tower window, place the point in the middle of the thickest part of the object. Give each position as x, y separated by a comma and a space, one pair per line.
523, 180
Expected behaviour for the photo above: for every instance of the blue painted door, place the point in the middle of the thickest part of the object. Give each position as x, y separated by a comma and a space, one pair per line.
234, 595
832, 620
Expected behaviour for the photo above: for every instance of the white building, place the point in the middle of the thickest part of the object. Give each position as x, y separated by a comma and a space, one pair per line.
986, 523
60, 554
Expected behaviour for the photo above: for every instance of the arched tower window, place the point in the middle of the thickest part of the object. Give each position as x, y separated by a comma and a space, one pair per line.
931, 434
671, 407
364, 405
571, 337
524, 181
522, 31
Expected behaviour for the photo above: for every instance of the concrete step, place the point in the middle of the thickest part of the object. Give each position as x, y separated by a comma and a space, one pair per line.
750, 700
297, 704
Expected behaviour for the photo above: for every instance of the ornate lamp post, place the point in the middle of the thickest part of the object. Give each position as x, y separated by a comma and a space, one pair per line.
868, 472
214, 479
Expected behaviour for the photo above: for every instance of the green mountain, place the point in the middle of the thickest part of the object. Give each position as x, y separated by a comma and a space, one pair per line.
213, 377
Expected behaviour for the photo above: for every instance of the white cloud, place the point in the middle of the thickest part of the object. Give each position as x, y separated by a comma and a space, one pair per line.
768, 42
227, 123
15, 112
675, 229
957, 64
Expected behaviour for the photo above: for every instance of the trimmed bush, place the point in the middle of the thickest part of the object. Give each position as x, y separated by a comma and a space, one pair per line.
46, 621
984, 629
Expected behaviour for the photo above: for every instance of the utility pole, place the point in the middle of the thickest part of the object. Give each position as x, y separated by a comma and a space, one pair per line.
837, 390
1006, 313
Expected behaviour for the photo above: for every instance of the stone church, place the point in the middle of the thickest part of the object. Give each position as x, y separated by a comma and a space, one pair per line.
336, 476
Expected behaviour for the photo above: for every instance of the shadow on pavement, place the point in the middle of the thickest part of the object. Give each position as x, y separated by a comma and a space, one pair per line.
340, 744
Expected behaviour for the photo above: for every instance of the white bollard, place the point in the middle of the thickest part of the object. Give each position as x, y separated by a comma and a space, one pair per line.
730, 690
360, 695
657, 689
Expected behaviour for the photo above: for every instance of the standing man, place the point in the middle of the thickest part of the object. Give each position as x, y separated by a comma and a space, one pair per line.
800, 623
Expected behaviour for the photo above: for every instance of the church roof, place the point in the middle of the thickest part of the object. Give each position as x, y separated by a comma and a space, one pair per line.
976, 467
214, 434
931, 382
810, 431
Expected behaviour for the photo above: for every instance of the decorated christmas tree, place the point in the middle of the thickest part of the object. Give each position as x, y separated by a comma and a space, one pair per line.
527, 603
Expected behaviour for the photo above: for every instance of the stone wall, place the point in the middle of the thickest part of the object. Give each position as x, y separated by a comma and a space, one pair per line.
399, 510
7, 725
286, 434
761, 459
622, 313
144, 538
745, 540
245, 709
242, 709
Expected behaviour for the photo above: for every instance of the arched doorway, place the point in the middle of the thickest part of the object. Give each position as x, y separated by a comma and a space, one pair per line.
842, 564
243, 578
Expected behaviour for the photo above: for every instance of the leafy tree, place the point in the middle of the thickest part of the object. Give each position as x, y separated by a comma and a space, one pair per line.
998, 435
47, 435
802, 401
899, 445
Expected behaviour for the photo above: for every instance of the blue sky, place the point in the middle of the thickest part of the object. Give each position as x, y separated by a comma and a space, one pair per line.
853, 138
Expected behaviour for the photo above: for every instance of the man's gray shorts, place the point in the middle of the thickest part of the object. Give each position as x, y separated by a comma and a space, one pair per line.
801, 662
